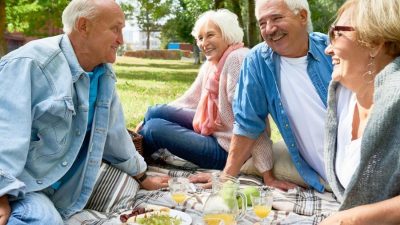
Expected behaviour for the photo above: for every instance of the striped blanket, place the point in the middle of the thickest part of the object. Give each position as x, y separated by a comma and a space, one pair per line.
116, 193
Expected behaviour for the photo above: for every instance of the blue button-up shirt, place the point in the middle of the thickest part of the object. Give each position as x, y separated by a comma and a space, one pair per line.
258, 95
44, 99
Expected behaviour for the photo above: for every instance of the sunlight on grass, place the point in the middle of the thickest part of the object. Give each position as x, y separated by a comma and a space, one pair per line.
145, 82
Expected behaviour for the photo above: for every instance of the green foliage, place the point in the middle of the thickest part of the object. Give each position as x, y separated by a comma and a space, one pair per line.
36, 18
179, 27
323, 13
151, 12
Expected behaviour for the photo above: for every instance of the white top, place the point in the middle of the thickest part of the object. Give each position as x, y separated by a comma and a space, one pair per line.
306, 111
348, 151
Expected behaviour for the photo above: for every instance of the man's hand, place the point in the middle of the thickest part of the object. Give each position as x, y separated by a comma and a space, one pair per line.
345, 217
155, 182
204, 178
270, 180
5, 210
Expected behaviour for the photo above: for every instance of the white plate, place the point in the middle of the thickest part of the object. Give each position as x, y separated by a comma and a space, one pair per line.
186, 219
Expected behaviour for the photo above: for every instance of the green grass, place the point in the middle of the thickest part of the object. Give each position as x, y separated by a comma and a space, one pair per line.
145, 82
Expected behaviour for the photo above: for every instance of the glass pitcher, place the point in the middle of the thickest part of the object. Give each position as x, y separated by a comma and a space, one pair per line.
222, 202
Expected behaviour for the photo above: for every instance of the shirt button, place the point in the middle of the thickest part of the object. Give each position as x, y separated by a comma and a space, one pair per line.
39, 181
78, 133
292, 145
286, 126
64, 164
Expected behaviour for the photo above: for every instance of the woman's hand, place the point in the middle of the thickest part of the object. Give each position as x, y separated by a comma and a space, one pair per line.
155, 182
204, 178
5, 210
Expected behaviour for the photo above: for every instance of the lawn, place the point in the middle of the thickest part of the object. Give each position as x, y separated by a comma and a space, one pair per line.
145, 82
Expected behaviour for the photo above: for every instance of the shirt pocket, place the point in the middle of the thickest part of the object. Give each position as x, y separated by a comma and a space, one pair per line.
52, 130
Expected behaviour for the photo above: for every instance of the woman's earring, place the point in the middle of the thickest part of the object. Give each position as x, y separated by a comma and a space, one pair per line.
369, 76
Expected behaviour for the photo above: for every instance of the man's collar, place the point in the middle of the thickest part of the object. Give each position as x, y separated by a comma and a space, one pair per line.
69, 53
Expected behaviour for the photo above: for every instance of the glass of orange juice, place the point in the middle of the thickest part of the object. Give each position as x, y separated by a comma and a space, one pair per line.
262, 205
178, 186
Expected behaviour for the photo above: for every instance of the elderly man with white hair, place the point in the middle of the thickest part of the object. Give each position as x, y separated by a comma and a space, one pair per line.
60, 116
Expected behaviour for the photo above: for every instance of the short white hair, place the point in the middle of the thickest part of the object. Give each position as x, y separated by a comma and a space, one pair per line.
295, 6
227, 22
75, 10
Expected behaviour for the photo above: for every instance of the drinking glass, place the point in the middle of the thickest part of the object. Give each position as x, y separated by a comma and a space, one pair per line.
262, 205
213, 221
178, 186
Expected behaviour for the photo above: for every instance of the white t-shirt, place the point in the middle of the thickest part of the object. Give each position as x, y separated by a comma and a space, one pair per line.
348, 151
306, 111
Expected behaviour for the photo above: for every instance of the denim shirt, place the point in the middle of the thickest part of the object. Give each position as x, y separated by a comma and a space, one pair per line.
258, 95
44, 99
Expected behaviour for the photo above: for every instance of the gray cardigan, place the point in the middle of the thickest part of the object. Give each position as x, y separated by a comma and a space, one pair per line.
378, 175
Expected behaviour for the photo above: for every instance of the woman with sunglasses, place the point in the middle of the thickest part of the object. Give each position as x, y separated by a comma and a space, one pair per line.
362, 139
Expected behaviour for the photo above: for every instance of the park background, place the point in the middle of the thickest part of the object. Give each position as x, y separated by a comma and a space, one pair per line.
141, 81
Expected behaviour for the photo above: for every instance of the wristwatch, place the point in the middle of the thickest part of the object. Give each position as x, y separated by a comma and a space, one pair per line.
142, 178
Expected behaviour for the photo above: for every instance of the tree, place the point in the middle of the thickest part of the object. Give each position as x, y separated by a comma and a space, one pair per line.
150, 15
35, 18
323, 13
3, 43
252, 25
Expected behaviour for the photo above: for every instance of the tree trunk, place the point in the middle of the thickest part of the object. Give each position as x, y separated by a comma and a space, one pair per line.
252, 27
3, 26
218, 4
236, 8
148, 39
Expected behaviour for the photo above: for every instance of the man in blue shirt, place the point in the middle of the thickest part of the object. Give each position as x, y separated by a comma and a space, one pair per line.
60, 116
287, 78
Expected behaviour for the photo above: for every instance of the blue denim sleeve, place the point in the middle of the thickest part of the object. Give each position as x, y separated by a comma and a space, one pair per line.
119, 149
15, 121
250, 104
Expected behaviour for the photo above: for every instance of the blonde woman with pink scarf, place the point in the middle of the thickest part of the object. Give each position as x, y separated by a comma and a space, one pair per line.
198, 125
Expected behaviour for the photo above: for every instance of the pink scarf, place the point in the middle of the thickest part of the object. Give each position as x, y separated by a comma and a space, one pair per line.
206, 117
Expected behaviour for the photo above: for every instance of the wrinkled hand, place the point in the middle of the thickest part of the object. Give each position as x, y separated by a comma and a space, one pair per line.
346, 217
155, 182
270, 180
5, 210
204, 178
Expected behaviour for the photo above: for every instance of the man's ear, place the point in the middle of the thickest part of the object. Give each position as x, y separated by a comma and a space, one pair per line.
303, 16
82, 26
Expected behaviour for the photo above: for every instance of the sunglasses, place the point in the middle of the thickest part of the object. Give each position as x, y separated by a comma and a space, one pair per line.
333, 31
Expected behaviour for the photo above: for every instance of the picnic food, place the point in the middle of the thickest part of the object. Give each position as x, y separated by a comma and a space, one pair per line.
136, 211
150, 216
158, 219
250, 191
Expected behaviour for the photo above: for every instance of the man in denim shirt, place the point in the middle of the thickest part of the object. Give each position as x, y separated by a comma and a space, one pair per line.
60, 116
286, 78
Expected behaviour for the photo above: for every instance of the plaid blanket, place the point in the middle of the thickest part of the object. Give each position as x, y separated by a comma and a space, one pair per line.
116, 193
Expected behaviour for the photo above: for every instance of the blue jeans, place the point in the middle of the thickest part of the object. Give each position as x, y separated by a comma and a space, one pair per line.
35, 209
171, 128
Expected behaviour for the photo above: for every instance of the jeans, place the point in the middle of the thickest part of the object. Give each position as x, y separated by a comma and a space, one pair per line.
35, 209
171, 128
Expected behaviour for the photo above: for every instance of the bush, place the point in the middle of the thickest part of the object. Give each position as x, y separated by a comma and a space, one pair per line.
155, 54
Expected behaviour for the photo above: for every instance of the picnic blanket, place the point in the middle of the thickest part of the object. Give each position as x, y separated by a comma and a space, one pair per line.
116, 192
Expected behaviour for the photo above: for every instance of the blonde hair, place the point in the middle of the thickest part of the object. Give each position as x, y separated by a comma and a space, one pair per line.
227, 22
376, 21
